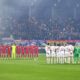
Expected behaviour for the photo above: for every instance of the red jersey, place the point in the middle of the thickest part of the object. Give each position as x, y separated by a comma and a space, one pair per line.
31, 51
36, 51
0, 49
27, 49
9, 50
18, 49
3, 49
22, 50
31, 48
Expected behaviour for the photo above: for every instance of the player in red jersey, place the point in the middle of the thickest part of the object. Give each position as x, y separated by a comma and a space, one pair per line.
30, 51
18, 51
0, 51
27, 51
8, 51
22, 51
4, 51
36, 51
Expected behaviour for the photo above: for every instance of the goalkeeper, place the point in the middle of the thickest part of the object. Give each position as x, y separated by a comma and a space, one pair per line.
13, 51
79, 54
76, 55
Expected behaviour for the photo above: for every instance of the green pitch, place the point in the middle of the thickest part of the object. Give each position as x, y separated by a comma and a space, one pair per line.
37, 70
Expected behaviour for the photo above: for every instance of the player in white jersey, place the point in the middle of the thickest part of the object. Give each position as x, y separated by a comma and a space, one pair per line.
53, 54
67, 54
57, 54
61, 51
71, 49
48, 53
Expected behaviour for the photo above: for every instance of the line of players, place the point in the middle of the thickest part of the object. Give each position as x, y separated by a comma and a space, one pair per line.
21, 51
59, 54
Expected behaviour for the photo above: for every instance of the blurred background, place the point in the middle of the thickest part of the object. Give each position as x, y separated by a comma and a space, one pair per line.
40, 19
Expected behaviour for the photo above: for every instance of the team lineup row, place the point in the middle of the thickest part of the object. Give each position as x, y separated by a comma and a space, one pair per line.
62, 54
18, 51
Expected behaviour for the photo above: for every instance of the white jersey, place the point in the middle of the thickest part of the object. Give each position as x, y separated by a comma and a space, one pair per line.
53, 51
67, 51
58, 51
48, 50
71, 48
61, 51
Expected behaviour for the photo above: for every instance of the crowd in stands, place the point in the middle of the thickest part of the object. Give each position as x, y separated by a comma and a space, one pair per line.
43, 29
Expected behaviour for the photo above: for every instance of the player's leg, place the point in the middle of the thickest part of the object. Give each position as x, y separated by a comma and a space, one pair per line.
35, 53
9, 55
71, 58
15, 55
12, 55
27, 52
60, 58
52, 57
61, 62
29, 55
67, 57
57, 58
75, 59
63, 58
79, 58
4, 55
2, 52
47, 58
18, 52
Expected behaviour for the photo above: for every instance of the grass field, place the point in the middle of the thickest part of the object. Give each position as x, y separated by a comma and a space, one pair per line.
32, 70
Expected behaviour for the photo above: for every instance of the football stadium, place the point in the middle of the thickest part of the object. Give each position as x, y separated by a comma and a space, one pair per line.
39, 39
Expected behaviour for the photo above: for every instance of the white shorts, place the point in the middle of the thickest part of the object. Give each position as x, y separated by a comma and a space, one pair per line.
71, 55
48, 54
66, 54
62, 54
53, 54
58, 54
